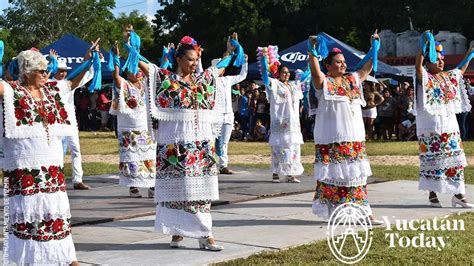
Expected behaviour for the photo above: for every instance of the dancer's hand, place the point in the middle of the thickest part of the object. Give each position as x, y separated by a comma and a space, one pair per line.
375, 35
53, 53
115, 49
314, 40
95, 45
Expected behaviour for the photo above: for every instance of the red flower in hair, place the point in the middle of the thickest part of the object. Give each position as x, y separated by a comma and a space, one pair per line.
188, 40
336, 50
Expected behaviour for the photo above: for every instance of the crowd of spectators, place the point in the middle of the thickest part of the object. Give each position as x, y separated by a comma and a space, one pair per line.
93, 109
387, 115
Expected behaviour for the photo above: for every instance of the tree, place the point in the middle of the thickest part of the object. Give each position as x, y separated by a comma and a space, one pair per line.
283, 23
38, 23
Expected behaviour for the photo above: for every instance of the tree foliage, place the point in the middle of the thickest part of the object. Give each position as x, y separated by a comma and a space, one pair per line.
27, 24
283, 23
38, 23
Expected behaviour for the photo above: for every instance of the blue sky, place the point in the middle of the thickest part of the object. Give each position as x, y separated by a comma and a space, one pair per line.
147, 7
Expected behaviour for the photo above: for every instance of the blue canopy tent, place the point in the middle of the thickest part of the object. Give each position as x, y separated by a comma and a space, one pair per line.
72, 49
295, 57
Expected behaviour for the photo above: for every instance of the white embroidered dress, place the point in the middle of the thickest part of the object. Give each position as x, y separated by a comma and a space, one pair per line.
186, 180
442, 158
285, 132
137, 147
341, 165
32, 163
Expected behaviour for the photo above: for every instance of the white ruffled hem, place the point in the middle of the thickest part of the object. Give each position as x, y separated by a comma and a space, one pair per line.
442, 186
128, 156
187, 115
11, 164
442, 163
292, 169
32, 252
325, 210
41, 206
182, 223
343, 174
190, 188
137, 181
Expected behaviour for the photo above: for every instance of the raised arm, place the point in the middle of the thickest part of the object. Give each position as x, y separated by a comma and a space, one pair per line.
116, 72
365, 70
466, 60
419, 60
316, 73
76, 82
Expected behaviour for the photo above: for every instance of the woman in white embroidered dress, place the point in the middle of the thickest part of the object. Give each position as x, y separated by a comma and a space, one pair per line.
35, 121
440, 95
285, 133
137, 148
186, 180
341, 165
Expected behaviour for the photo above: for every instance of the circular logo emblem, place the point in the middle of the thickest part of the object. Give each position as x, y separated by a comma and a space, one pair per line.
349, 233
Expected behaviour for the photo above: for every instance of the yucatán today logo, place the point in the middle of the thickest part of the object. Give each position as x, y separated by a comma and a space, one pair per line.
420, 233
349, 232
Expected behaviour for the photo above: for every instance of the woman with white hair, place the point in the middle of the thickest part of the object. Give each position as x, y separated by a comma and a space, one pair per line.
33, 123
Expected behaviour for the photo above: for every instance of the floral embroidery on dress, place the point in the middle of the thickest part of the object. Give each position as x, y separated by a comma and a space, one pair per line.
340, 152
135, 140
348, 87
285, 125
202, 206
453, 174
442, 89
193, 158
142, 169
177, 94
448, 144
336, 195
33, 181
286, 155
43, 231
134, 97
27, 112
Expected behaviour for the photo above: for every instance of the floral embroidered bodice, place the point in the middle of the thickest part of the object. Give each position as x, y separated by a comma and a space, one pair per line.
442, 88
29, 112
348, 87
175, 93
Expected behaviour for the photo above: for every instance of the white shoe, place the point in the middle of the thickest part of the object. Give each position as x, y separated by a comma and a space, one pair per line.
204, 244
435, 204
455, 201
135, 193
292, 179
176, 244
275, 178
151, 192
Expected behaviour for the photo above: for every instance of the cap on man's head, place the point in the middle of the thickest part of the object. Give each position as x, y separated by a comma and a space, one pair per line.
63, 65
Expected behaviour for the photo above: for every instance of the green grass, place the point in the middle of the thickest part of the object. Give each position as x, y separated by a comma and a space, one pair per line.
386, 172
102, 143
91, 169
373, 148
458, 250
